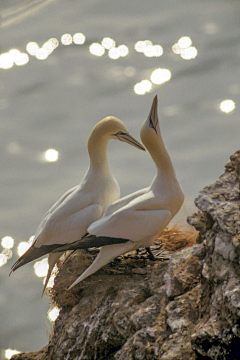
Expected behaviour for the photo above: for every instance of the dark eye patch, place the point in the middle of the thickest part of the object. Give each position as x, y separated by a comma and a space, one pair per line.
151, 124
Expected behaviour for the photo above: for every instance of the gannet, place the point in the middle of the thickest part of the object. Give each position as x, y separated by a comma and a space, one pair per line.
68, 219
138, 219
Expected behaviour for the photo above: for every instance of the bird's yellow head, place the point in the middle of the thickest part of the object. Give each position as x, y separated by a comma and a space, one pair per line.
113, 128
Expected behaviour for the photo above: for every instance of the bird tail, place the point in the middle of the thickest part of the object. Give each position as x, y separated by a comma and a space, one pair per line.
52, 260
106, 254
90, 241
31, 254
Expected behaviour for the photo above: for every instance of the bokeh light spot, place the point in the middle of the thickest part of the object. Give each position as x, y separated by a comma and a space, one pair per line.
123, 50
176, 49
189, 53
23, 246
160, 76
14, 54
96, 49
114, 53
32, 48
130, 71
184, 42
53, 314
6, 61
143, 87
140, 45
79, 38
51, 155
7, 253
9, 353
153, 50
22, 60
3, 259
227, 106
7, 242
41, 267
42, 54
108, 43
66, 39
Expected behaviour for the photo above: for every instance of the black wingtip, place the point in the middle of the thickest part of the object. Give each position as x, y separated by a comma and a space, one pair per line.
33, 253
90, 241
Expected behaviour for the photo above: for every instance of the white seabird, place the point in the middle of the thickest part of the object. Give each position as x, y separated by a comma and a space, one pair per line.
139, 218
68, 219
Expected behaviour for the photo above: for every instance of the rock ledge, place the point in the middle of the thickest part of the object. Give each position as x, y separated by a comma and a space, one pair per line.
185, 308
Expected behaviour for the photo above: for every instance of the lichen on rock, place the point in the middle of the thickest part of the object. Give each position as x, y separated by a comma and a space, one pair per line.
184, 306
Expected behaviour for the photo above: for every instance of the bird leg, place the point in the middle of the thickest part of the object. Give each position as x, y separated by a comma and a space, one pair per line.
151, 256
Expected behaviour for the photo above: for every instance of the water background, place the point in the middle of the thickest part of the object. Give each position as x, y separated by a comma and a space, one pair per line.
54, 103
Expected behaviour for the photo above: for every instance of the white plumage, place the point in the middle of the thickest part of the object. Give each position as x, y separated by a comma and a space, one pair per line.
68, 219
142, 216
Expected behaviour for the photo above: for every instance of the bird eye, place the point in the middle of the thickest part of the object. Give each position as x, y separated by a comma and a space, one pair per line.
120, 133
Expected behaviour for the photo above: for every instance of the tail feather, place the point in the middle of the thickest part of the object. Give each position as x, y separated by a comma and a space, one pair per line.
33, 253
52, 260
106, 254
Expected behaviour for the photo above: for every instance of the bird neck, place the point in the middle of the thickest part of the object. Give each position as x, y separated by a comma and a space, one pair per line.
155, 145
97, 150
162, 159
165, 181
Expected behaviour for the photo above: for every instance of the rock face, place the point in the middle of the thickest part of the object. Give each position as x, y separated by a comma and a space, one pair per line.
185, 308
218, 329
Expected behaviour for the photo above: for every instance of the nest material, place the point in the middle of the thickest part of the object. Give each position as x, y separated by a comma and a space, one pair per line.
177, 237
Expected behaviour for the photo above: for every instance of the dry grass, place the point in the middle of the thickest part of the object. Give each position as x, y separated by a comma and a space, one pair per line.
177, 236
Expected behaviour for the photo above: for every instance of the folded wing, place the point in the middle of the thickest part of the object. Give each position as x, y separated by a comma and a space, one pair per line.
55, 233
134, 225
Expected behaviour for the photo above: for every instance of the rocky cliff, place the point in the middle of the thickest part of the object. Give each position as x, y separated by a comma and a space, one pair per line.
185, 305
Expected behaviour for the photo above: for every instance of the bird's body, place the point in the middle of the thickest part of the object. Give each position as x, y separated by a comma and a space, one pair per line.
68, 219
142, 216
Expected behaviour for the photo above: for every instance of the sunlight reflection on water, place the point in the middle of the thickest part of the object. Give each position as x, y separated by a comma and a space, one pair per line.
227, 106
41, 267
96, 49
66, 39
108, 43
23, 246
6, 254
7, 242
9, 353
184, 49
53, 314
51, 155
160, 76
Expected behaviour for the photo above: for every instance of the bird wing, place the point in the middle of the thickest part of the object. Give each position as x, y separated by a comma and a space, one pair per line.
124, 201
138, 226
59, 232
66, 228
52, 209
131, 224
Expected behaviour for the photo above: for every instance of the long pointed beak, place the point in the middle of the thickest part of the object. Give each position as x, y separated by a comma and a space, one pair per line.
130, 140
153, 115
